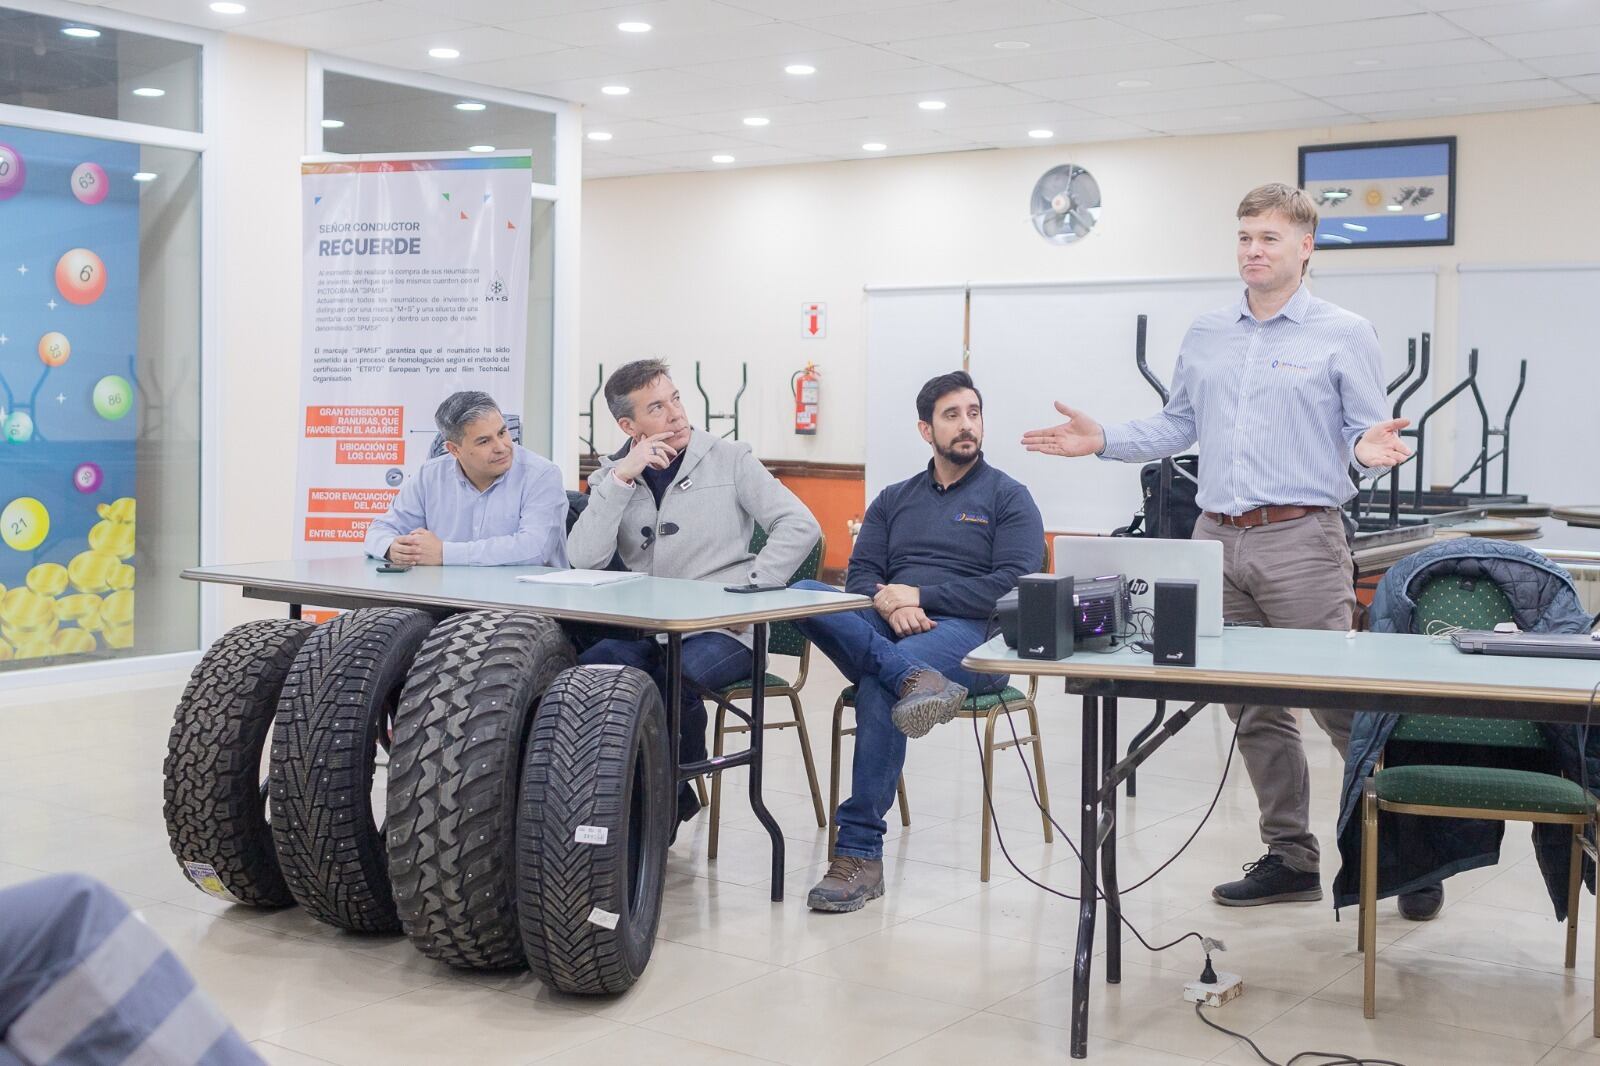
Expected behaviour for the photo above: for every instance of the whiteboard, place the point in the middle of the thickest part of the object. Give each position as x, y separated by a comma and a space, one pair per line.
913, 334
1549, 316
1035, 342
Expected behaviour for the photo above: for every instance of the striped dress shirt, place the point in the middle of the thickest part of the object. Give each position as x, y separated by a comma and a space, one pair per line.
1276, 406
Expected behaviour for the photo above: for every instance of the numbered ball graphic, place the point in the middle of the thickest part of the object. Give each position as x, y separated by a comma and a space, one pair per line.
19, 427
88, 477
12, 172
89, 183
54, 348
24, 524
81, 276
113, 397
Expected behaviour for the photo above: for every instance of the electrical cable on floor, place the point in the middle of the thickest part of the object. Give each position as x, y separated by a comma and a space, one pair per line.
1330, 1058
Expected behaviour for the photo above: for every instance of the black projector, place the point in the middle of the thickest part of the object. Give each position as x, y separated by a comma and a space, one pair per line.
1100, 612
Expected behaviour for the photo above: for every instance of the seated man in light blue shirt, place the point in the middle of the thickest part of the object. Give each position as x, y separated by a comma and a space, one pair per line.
485, 502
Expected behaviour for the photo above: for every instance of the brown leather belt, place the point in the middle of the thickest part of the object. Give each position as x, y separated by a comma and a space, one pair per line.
1264, 516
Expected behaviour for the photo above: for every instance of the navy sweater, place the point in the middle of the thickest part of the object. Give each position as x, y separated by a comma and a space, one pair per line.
963, 547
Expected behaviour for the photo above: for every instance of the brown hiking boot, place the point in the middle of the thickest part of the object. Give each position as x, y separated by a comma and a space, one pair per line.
927, 699
848, 884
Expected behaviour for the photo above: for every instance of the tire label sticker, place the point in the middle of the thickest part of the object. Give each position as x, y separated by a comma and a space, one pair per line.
205, 877
591, 834
604, 919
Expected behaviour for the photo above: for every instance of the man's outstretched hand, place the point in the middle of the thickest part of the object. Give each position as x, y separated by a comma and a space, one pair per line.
1078, 435
1381, 446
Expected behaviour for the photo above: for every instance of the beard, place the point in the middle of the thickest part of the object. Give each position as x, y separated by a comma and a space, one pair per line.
956, 458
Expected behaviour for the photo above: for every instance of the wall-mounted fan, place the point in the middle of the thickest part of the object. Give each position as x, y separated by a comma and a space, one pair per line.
1065, 204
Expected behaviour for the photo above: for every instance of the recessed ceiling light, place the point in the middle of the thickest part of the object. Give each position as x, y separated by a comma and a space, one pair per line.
227, 7
333, 123
1365, 62
1445, 99
634, 27
1041, 135
445, 53
757, 120
722, 159
145, 90
85, 32
873, 146
470, 105
1012, 46
931, 105
599, 135
480, 147
799, 68
1261, 18
1133, 83
615, 90
144, 175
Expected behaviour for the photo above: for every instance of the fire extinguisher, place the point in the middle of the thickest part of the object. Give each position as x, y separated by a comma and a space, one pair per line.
806, 385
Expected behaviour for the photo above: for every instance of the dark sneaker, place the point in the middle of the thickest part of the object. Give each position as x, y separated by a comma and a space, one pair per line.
1423, 904
927, 699
688, 807
1269, 880
849, 883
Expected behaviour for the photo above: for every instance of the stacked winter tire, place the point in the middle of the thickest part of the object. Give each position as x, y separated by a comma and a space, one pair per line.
524, 817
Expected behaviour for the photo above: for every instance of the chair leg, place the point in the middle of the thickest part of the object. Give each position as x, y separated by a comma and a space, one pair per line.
716, 786
805, 754
833, 776
1038, 770
1574, 895
1594, 827
700, 788
905, 807
988, 804
1369, 901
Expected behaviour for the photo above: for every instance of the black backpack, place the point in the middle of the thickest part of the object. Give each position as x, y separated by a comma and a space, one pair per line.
1181, 510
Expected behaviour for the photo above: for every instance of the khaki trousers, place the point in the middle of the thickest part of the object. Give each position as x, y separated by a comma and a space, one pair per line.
1289, 575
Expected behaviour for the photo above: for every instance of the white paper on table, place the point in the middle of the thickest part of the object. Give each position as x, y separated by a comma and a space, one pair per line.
582, 578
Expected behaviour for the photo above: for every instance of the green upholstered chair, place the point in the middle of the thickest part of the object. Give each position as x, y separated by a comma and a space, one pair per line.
1481, 792
783, 638
988, 707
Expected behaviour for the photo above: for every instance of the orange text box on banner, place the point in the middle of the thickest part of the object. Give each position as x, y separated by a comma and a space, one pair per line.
349, 501
370, 452
360, 422
336, 530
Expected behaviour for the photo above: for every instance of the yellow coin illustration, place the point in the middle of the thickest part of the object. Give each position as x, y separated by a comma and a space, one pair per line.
83, 608
113, 537
116, 619
71, 642
90, 571
48, 579
6, 654
121, 577
24, 524
121, 510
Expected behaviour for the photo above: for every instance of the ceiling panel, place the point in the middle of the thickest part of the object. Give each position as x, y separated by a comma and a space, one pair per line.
1548, 42
1246, 18
353, 26
1075, 36
1331, 37
1498, 93
489, 42
1527, 17
1137, 80
1146, 103
951, 17
1405, 78
1025, 66
1393, 57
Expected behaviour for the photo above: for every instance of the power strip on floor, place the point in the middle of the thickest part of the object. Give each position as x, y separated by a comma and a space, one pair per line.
1228, 986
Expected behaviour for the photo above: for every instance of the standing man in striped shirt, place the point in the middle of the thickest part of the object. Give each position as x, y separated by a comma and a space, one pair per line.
1284, 395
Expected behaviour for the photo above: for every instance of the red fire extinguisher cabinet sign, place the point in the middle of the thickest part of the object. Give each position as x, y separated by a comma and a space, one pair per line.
814, 321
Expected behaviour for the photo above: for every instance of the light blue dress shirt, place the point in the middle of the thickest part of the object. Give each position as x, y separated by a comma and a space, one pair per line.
1276, 406
519, 520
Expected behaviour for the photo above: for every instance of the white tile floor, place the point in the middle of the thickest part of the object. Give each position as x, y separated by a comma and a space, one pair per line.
943, 969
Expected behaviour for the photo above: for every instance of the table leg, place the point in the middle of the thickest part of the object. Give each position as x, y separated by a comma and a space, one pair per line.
674, 717
1090, 786
758, 700
1108, 850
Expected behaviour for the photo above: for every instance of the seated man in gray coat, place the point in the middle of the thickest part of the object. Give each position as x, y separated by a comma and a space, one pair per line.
680, 502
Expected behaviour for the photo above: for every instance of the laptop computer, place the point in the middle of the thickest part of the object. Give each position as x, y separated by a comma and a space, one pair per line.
1545, 645
1146, 560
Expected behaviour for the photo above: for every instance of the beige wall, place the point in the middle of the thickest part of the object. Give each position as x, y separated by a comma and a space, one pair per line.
715, 266
263, 138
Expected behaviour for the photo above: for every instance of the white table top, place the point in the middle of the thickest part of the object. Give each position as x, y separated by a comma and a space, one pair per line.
667, 605
1383, 663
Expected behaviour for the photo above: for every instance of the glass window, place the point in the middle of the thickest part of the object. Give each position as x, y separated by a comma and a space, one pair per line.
100, 388
60, 64
361, 115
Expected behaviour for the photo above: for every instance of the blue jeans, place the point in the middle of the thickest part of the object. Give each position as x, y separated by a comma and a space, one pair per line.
866, 651
713, 660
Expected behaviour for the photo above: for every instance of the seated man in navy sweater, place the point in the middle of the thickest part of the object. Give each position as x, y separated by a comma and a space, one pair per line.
935, 552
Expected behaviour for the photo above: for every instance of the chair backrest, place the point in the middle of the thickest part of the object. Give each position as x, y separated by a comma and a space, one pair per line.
1470, 604
784, 638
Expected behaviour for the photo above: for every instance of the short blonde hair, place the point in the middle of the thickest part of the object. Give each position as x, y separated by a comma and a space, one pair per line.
1286, 200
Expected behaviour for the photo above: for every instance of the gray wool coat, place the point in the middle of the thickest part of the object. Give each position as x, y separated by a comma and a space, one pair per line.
702, 529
